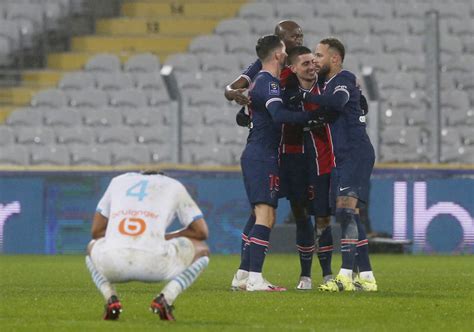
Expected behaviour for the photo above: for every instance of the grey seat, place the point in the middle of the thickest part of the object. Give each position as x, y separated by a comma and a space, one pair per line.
295, 10
462, 154
149, 81
50, 155
183, 62
369, 11
384, 63
222, 79
467, 135
199, 135
315, 29
144, 117
451, 46
7, 135
62, 118
392, 117
160, 153
461, 27
195, 81
27, 116
404, 44
54, 98
333, 10
6, 52
75, 136
153, 136
11, 31
102, 117
93, 98
401, 136
213, 63
129, 98
389, 27
237, 44
142, 63
91, 155
14, 155
232, 27
213, 44
114, 81
205, 97
232, 135
115, 135
351, 26
77, 81
158, 98
193, 116
360, 46
400, 81
35, 136
412, 63
219, 116
103, 62
451, 137
256, 11
29, 11
261, 27
211, 155
130, 155
415, 11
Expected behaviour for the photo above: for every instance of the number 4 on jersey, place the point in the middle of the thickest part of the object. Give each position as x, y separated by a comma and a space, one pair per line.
138, 190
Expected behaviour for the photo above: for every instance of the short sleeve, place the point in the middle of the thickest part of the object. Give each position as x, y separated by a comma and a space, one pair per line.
344, 83
187, 209
104, 204
252, 71
271, 91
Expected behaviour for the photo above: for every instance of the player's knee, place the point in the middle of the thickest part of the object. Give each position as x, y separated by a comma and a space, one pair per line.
299, 210
346, 217
201, 249
90, 245
323, 222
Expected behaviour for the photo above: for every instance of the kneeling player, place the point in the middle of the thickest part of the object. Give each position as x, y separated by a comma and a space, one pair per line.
129, 241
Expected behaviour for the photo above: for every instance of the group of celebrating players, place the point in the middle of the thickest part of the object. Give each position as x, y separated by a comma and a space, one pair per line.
308, 143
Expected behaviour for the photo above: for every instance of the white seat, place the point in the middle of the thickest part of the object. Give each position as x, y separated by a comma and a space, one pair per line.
240, 44
54, 98
257, 11
153, 136
50, 155
7, 135
103, 62
90, 155
224, 63
115, 135
93, 98
183, 62
29, 117
62, 118
130, 155
102, 117
14, 155
77, 81
149, 81
295, 11
389, 27
233, 27
75, 136
114, 81
144, 117
205, 97
142, 63
35, 136
213, 44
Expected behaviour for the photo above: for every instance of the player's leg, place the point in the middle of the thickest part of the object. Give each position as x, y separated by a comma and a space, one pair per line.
325, 246
240, 277
193, 256
113, 307
304, 243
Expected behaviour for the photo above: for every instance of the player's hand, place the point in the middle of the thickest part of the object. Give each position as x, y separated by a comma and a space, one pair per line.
316, 117
298, 98
243, 119
364, 105
239, 97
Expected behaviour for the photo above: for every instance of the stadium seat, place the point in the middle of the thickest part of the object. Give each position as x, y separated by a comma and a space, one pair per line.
11, 31
415, 11
451, 46
222, 79
392, 117
93, 98
467, 135
153, 136
261, 27
389, 27
224, 63
151, 81
380, 62
196, 80
401, 136
233, 27
160, 153
403, 45
130, 155
26, 11
90, 155
35, 135
450, 137
398, 81
193, 116
117, 135
412, 63
294, 11
199, 135
378, 12
350, 26
50, 155
219, 116
211, 155
103, 63
114, 81
77, 81
183, 62
158, 98
14, 155
212, 44
129, 98
62, 118
461, 27
101, 117
232, 135
461, 154
28, 117
142, 63
144, 117
315, 29
240, 44
257, 11
7, 135
6, 50
360, 46
54, 98
205, 97
75, 136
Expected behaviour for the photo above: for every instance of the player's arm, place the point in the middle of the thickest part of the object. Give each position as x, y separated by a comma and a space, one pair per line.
99, 226
281, 114
235, 91
196, 230
334, 102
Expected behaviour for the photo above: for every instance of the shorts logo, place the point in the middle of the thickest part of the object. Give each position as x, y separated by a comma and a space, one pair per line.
311, 193
343, 188
274, 185
132, 226
274, 89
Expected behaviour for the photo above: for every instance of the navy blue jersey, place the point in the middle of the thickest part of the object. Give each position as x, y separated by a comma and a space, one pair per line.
252, 71
348, 133
268, 113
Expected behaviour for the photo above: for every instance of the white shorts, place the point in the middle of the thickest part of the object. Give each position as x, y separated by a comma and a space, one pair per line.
131, 264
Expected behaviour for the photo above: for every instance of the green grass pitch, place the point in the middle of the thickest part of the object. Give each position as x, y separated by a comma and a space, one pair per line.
416, 293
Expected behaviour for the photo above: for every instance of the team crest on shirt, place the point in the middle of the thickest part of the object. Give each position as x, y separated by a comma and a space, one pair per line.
274, 89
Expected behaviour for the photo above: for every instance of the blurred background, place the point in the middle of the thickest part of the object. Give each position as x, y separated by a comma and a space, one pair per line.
89, 89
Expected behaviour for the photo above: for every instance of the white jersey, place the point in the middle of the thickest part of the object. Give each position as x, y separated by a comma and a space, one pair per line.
141, 207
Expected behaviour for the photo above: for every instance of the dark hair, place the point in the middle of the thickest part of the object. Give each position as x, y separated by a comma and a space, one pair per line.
336, 44
297, 51
266, 45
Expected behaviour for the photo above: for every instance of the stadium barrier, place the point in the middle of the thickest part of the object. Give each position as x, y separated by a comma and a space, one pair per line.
50, 211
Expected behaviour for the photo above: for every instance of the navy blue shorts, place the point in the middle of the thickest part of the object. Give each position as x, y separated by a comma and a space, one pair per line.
352, 178
318, 195
293, 177
261, 181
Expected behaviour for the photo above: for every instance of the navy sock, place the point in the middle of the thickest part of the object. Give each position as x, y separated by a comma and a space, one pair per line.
259, 236
349, 235
245, 245
305, 245
362, 260
325, 249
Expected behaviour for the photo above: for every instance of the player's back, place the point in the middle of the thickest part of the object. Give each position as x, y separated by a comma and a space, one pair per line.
348, 131
141, 207
264, 136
